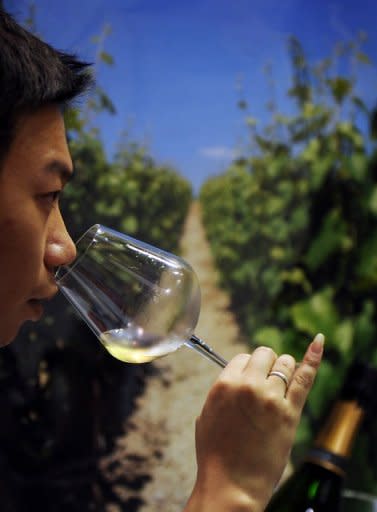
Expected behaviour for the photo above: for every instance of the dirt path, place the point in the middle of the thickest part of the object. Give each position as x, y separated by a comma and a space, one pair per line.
160, 439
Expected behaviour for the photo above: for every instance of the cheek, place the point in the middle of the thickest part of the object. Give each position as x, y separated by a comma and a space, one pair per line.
21, 255
21, 260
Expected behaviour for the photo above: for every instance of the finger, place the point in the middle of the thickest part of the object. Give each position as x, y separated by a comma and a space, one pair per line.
304, 375
260, 364
236, 365
281, 373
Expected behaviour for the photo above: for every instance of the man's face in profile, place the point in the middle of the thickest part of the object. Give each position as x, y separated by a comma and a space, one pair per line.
33, 237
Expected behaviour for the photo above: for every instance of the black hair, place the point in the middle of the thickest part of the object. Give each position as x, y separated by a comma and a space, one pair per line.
32, 75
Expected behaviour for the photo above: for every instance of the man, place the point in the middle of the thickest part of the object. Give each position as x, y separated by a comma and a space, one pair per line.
248, 422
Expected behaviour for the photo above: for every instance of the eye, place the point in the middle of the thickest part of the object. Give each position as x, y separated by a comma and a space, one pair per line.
51, 197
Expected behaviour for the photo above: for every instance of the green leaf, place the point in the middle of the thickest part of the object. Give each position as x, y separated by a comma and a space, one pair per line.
296, 276
365, 329
301, 92
325, 387
330, 238
104, 102
269, 336
340, 87
277, 253
106, 58
349, 131
316, 314
281, 119
362, 57
251, 122
343, 336
311, 151
309, 110
321, 166
299, 218
366, 267
358, 166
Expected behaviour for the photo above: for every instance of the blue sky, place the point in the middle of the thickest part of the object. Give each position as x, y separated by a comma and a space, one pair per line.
179, 64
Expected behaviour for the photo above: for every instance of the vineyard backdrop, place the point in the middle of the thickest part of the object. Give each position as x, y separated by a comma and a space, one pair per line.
293, 229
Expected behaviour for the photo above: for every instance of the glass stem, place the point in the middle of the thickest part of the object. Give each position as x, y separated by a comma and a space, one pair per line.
206, 351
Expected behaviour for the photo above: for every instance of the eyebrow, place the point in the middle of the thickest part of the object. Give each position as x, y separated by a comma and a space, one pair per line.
57, 167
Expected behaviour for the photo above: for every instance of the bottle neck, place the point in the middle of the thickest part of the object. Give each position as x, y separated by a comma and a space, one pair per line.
333, 445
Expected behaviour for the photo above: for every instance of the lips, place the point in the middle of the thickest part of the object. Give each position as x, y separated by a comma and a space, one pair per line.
46, 295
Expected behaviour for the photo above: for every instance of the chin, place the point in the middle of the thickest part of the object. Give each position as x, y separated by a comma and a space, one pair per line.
4, 343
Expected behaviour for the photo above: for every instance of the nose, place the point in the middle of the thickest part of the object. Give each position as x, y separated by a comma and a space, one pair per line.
60, 248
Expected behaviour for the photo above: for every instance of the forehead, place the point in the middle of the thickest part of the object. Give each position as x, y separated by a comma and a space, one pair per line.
39, 144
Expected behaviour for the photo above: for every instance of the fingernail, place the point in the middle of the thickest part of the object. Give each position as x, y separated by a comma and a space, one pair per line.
316, 345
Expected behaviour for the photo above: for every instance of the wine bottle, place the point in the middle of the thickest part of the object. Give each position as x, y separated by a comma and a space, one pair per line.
317, 484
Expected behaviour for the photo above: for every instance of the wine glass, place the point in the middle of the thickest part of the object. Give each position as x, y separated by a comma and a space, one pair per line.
354, 501
140, 301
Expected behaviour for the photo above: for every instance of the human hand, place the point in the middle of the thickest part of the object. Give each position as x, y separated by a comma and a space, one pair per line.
247, 427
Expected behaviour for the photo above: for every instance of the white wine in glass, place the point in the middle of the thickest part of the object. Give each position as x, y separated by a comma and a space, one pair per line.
140, 301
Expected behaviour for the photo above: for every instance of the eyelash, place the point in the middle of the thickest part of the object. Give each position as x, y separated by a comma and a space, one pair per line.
52, 197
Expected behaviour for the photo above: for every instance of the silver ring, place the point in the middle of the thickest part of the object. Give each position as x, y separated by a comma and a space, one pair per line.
281, 376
